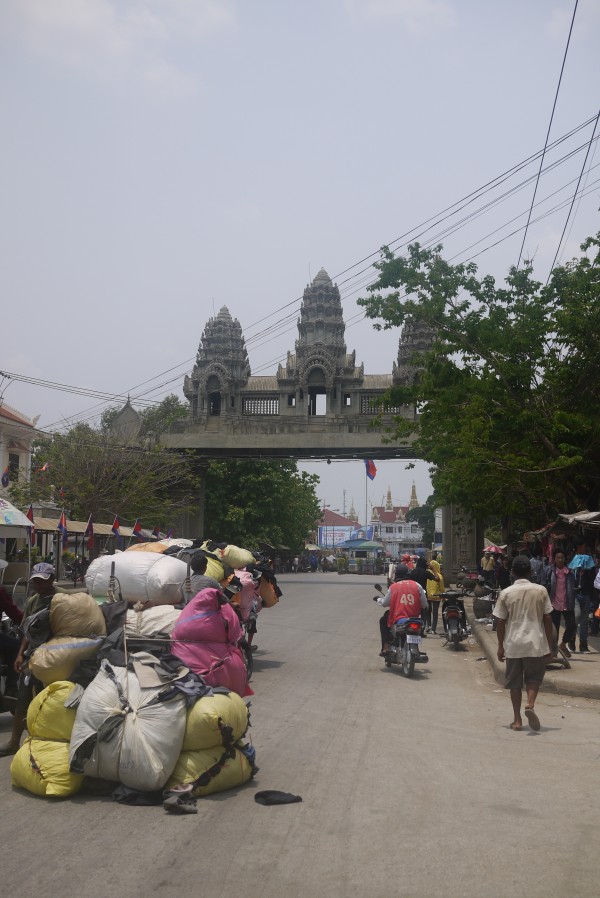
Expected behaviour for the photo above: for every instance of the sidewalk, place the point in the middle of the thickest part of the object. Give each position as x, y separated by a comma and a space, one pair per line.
583, 679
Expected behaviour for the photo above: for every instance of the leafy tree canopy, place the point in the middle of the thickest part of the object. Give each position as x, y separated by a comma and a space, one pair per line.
246, 502
89, 471
424, 515
507, 393
259, 500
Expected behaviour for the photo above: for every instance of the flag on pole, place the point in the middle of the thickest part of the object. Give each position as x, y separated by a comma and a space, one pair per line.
370, 468
116, 527
62, 528
6, 476
29, 515
89, 533
156, 532
137, 530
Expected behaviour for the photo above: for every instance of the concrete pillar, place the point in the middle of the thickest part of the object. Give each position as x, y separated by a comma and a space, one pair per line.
190, 523
462, 540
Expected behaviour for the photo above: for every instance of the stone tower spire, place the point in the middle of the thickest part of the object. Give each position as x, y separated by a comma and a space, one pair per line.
222, 367
416, 338
389, 505
414, 502
321, 320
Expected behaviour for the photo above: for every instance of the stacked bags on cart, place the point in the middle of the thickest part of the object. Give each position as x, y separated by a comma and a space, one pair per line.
144, 727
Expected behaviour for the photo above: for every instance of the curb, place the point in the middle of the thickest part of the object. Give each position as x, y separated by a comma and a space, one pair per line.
559, 682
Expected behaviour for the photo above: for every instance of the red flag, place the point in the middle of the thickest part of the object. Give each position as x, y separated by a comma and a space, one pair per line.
29, 515
89, 533
116, 527
62, 528
370, 468
137, 530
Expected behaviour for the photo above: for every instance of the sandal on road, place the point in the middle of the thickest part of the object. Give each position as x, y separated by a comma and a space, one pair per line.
533, 719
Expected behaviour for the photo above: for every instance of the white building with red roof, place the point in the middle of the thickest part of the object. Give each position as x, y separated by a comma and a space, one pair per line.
391, 528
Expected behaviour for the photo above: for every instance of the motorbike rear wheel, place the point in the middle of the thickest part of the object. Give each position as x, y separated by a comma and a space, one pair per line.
455, 640
408, 661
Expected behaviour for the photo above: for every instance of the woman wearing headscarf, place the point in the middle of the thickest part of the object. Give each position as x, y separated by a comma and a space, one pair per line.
434, 588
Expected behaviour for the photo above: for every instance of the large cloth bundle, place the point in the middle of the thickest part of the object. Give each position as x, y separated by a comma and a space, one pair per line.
151, 621
215, 720
248, 594
76, 614
42, 763
142, 576
147, 547
223, 769
57, 658
127, 733
232, 556
47, 717
268, 593
205, 638
42, 767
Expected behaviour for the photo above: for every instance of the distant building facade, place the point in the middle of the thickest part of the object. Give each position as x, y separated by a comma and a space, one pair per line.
390, 527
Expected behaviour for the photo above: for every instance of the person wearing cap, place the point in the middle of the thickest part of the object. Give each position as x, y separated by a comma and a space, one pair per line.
42, 581
405, 598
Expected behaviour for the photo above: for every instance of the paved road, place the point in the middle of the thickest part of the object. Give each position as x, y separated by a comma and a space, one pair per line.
389, 769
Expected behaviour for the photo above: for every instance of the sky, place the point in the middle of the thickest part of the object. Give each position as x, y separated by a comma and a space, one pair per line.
162, 158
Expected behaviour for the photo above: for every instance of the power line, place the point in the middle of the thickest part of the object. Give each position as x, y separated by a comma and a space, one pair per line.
574, 196
562, 68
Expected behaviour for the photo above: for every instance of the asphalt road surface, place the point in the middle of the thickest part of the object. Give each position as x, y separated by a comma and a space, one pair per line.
412, 788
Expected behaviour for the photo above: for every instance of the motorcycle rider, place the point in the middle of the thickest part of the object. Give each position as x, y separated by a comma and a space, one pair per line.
405, 598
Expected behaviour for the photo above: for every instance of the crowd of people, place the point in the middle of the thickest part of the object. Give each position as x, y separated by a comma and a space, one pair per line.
568, 572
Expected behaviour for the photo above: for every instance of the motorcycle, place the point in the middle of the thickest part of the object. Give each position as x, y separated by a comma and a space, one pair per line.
484, 602
454, 617
467, 580
405, 645
76, 571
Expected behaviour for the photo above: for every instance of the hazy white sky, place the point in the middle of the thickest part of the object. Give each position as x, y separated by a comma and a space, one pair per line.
162, 158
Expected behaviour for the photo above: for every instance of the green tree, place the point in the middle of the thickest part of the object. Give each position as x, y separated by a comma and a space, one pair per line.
424, 516
258, 500
506, 392
99, 475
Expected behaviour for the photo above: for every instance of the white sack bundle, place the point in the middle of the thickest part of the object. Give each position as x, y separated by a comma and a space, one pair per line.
142, 576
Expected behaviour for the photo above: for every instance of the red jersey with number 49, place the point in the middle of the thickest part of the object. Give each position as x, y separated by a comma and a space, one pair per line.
405, 601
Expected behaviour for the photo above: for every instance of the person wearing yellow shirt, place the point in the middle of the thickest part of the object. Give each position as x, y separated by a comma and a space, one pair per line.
434, 588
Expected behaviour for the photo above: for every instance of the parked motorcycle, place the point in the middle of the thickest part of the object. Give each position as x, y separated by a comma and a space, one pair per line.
454, 617
467, 580
405, 645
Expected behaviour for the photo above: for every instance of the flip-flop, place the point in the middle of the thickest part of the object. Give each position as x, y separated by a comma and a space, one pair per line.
516, 727
533, 719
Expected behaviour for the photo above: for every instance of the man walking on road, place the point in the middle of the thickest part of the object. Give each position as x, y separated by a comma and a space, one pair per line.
524, 630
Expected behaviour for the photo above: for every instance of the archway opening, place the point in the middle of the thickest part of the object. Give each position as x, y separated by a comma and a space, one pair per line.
317, 393
213, 392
